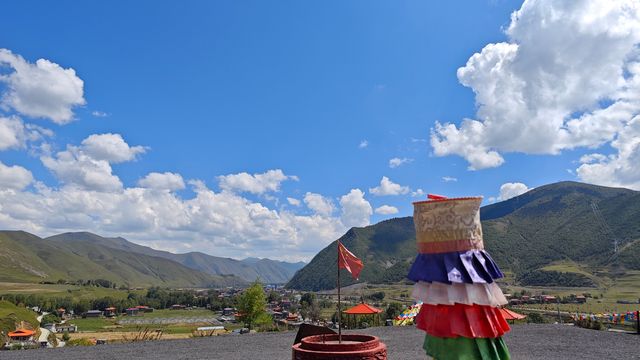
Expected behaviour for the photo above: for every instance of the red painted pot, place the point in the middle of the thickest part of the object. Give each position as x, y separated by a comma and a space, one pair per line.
353, 347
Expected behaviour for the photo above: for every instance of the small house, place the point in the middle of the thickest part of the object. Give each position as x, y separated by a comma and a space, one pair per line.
70, 328
132, 311
144, 308
50, 326
228, 311
581, 299
110, 311
94, 313
178, 307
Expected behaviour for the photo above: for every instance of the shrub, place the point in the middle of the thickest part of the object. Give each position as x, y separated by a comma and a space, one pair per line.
535, 318
80, 342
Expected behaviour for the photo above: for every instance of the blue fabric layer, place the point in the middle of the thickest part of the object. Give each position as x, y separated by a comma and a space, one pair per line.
473, 266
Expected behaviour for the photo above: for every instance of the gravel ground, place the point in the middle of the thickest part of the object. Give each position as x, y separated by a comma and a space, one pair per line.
404, 343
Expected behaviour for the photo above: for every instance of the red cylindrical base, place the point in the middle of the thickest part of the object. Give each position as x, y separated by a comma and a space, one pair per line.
353, 347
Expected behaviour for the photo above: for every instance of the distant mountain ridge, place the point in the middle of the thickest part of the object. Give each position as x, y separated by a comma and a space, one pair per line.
532, 235
29, 258
250, 269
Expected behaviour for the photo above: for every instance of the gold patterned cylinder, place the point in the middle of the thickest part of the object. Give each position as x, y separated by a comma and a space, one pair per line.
447, 225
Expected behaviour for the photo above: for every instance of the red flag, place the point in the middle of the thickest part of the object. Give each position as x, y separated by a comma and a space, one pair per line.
346, 260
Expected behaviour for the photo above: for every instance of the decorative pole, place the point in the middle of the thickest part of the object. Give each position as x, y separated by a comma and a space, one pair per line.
339, 308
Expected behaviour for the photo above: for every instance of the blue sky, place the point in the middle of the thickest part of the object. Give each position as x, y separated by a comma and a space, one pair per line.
318, 97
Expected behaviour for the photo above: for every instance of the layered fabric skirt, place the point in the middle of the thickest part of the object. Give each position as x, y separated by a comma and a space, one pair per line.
462, 348
455, 280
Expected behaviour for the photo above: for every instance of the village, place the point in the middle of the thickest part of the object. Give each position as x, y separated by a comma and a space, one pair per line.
214, 312
203, 312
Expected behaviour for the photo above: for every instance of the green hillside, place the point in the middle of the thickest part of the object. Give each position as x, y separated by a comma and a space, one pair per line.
28, 258
11, 315
269, 271
386, 248
550, 224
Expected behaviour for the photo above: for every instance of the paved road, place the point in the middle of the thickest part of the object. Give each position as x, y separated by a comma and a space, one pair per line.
44, 333
526, 342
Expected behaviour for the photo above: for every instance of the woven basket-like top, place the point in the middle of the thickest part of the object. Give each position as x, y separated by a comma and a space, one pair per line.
448, 225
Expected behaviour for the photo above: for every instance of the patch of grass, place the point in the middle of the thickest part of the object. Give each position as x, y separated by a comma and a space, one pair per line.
10, 314
166, 313
93, 324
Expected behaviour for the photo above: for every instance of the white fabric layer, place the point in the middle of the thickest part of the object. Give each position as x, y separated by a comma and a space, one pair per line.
448, 294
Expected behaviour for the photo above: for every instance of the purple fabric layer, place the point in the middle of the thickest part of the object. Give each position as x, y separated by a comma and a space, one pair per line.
473, 266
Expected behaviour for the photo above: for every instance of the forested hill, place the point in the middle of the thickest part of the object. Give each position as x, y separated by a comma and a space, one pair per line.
528, 235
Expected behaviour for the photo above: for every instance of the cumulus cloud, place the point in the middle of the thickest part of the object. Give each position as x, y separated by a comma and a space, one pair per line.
40, 90
15, 134
293, 201
89, 165
268, 181
221, 223
14, 177
318, 203
162, 181
386, 210
356, 210
565, 78
449, 179
388, 187
395, 162
621, 169
510, 190
363, 144
111, 148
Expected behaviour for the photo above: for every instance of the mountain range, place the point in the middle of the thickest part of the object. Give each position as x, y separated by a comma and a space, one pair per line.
560, 234
86, 256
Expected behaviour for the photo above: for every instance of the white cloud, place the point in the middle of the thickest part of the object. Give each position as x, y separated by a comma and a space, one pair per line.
318, 203
566, 78
221, 223
74, 167
395, 162
621, 169
418, 192
388, 187
111, 148
15, 134
257, 183
363, 144
162, 181
40, 90
510, 190
356, 210
89, 166
14, 177
449, 179
293, 201
97, 113
386, 210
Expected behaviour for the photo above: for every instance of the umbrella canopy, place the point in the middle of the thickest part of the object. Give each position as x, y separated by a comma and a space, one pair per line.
362, 309
510, 315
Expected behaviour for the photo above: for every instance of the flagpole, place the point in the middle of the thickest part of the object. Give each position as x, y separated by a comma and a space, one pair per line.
339, 308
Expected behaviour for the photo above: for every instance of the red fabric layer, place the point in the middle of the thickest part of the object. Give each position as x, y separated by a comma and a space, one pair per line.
470, 321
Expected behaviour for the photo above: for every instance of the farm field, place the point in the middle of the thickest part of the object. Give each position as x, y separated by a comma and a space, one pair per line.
61, 290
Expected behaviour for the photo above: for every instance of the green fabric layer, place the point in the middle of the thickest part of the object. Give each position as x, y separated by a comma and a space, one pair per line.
462, 348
